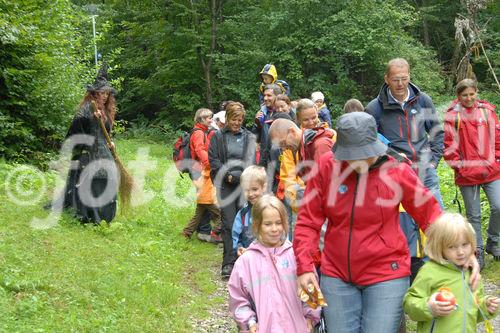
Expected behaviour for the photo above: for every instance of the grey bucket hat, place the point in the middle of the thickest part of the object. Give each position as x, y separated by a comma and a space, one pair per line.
357, 137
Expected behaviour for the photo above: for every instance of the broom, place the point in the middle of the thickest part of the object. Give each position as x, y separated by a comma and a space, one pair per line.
126, 179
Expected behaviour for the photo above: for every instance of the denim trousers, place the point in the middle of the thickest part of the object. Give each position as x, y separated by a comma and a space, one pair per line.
471, 195
376, 308
430, 179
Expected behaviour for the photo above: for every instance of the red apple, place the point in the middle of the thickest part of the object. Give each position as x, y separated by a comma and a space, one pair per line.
445, 295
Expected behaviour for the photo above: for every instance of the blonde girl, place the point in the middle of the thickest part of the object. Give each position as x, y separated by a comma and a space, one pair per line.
450, 242
263, 284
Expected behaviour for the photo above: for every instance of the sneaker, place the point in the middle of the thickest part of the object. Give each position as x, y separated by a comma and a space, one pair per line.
226, 271
493, 249
215, 237
204, 237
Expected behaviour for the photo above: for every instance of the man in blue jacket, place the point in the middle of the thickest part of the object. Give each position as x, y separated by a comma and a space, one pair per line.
407, 117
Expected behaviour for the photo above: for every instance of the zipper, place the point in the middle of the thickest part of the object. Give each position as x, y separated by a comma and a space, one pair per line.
408, 130
464, 305
350, 229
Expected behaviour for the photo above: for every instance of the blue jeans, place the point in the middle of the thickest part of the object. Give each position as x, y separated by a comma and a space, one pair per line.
376, 308
471, 195
431, 180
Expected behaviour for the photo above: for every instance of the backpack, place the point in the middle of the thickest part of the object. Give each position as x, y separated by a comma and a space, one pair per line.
182, 155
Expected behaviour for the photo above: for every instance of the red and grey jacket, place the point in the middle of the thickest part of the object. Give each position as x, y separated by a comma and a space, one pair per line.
472, 143
364, 243
315, 143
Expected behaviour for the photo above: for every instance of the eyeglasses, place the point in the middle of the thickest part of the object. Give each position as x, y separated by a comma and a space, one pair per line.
403, 79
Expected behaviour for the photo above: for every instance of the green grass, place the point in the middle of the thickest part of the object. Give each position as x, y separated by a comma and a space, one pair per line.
131, 276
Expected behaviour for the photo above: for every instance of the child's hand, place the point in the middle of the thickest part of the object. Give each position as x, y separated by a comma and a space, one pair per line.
439, 309
492, 304
241, 250
253, 328
310, 326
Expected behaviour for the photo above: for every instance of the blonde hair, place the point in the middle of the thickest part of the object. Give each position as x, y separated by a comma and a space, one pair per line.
253, 172
304, 104
234, 109
202, 113
445, 231
268, 201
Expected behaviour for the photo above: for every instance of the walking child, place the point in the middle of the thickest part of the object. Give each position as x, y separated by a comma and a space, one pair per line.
263, 284
450, 243
254, 185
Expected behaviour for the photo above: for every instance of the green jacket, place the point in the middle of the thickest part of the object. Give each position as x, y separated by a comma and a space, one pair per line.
433, 276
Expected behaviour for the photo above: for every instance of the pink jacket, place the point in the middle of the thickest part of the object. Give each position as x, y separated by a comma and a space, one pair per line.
263, 287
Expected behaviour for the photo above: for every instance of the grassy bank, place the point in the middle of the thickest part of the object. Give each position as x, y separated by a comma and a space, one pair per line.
136, 275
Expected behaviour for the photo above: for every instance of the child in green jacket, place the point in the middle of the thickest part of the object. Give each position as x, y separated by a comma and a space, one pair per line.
450, 242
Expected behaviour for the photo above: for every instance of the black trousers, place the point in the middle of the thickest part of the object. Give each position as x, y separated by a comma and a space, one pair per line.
229, 208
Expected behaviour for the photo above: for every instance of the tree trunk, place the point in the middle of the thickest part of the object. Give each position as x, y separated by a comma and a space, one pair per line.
206, 60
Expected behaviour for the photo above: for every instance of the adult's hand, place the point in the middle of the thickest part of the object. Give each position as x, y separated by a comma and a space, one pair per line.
305, 279
475, 276
439, 309
258, 115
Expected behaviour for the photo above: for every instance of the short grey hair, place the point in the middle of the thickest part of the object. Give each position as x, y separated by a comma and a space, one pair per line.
396, 62
274, 87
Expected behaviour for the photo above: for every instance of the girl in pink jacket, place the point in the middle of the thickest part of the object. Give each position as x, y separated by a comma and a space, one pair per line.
263, 284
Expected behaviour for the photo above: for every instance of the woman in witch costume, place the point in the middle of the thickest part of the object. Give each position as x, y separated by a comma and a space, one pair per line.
92, 183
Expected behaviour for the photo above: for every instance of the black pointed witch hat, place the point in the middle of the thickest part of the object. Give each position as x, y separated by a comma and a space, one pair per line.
101, 81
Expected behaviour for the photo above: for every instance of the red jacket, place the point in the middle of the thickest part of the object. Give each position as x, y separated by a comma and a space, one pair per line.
199, 144
363, 242
474, 151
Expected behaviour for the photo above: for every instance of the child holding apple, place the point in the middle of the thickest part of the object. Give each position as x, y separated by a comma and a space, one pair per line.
263, 285
440, 299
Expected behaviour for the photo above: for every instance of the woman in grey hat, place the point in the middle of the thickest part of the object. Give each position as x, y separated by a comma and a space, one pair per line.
365, 264
92, 183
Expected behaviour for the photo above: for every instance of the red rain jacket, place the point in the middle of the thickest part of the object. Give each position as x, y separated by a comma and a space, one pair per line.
363, 242
474, 150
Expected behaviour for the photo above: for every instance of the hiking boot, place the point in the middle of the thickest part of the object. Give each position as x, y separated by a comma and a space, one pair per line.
204, 237
215, 237
480, 258
226, 271
493, 249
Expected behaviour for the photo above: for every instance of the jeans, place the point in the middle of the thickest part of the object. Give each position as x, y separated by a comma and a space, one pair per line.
376, 308
431, 180
471, 195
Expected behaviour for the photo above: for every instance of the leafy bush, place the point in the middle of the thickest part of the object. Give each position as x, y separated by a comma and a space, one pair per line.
43, 75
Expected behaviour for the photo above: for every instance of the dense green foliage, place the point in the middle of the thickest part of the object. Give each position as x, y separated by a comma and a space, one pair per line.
171, 57
42, 75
